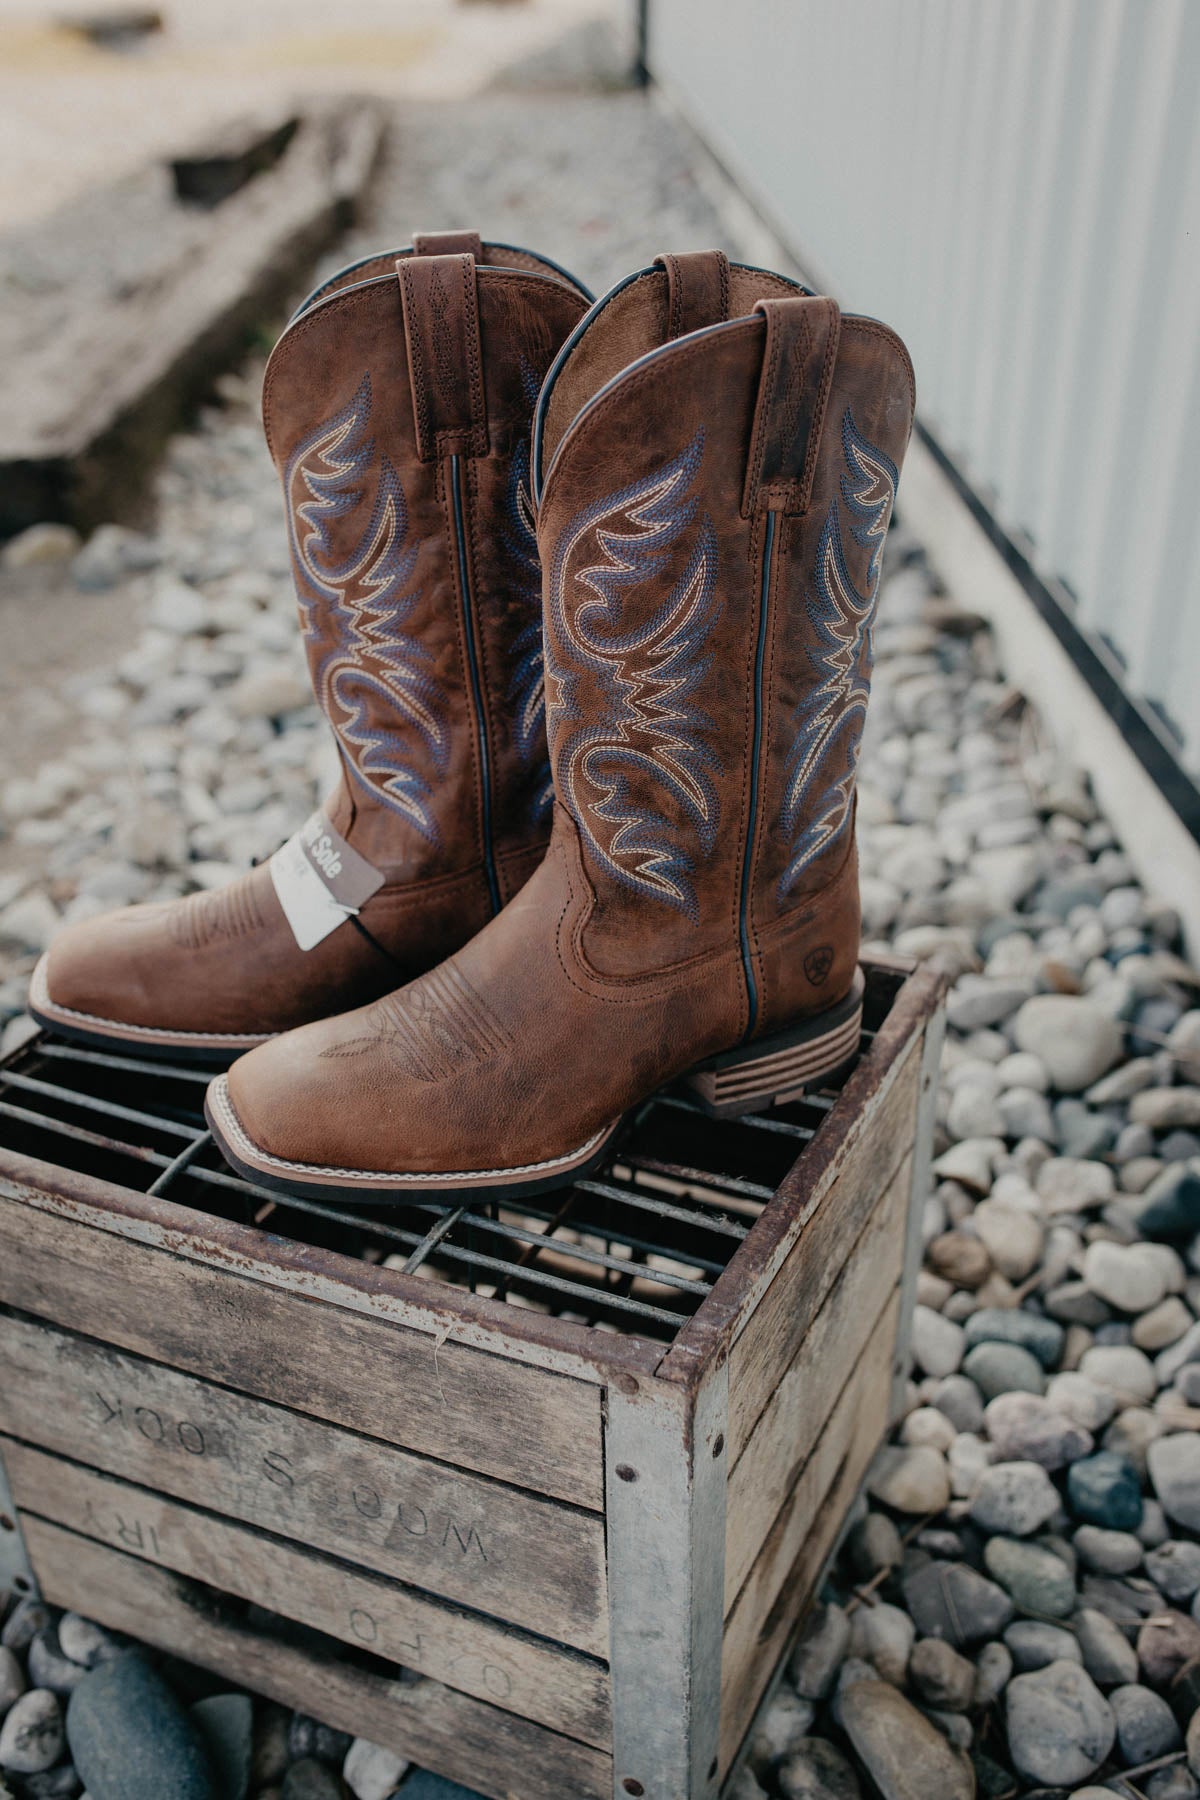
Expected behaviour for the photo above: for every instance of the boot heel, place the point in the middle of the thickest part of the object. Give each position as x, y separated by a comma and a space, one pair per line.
782, 1067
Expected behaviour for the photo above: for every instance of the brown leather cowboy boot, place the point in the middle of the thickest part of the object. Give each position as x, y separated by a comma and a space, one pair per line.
721, 453
398, 406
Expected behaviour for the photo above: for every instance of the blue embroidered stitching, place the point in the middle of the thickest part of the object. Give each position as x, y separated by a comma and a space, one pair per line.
365, 599
842, 621
646, 722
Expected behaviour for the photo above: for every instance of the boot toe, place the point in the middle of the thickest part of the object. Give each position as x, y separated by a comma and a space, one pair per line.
280, 1110
93, 972
128, 980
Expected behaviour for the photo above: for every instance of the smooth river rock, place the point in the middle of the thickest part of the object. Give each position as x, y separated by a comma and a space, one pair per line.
1038, 1581
1174, 1465
820, 1651
817, 1771
906, 1757
31, 1737
1015, 1498
1060, 1727
1076, 1042
910, 1479
132, 1740
1029, 1428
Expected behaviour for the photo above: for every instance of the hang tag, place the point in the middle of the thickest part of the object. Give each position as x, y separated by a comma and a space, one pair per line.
320, 881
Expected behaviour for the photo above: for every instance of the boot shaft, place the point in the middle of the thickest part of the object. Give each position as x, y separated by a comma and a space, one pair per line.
397, 408
717, 453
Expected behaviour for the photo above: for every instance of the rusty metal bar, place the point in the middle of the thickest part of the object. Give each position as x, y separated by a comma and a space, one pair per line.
80, 1134
129, 1115
124, 1064
681, 1172
664, 1209
433, 1237
185, 1158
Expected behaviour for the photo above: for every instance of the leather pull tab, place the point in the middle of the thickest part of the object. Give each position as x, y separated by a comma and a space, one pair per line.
447, 243
799, 354
697, 290
445, 362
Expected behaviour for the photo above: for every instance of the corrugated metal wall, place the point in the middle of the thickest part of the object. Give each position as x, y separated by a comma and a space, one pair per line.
1015, 186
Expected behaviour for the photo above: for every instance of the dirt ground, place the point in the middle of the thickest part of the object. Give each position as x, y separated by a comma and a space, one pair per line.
73, 114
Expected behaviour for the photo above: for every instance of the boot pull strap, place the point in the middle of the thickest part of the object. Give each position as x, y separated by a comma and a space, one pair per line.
445, 362
799, 353
697, 290
447, 243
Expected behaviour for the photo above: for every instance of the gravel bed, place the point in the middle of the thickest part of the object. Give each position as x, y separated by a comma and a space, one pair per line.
1015, 1610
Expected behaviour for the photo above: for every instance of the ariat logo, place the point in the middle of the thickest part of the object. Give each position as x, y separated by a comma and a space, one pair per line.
818, 963
433, 1029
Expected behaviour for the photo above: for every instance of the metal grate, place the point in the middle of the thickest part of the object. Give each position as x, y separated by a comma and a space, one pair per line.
634, 1248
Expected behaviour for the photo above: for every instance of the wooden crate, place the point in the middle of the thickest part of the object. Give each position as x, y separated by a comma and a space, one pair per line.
544, 1557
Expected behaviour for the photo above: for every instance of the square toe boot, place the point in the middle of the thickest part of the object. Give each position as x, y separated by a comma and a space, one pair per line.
716, 454
398, 406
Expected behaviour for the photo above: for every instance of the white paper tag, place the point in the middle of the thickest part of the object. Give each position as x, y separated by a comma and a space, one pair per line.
320, 881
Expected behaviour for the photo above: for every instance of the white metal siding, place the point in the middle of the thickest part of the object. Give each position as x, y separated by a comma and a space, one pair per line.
1015, 186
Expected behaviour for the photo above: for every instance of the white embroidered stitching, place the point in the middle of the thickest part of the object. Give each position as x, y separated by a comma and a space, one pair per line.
364, 600
842, 621
646, 676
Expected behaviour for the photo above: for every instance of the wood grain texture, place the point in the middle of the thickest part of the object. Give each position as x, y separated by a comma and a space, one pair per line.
741, 1289
844, 1331
430, 1308
782, 1580
478, 1745
522, 1674
924, 1128
515, 1555
666, 1544
776, 1328
446, 1400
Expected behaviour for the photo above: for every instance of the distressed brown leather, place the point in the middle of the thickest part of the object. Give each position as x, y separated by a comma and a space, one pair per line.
706, 664
697, 290
404, 383
448, 243
445, 360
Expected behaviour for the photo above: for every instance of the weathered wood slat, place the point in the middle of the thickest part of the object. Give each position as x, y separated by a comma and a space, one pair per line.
430, 1308
924, 1126
451, 1733
539, 1681
767, 1346
513, 1554
862, 1300
738, 1293
91, 404
521, 1424
783, 1577
666, 1542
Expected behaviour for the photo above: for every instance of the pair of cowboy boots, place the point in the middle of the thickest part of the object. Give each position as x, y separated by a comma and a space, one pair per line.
587, 595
